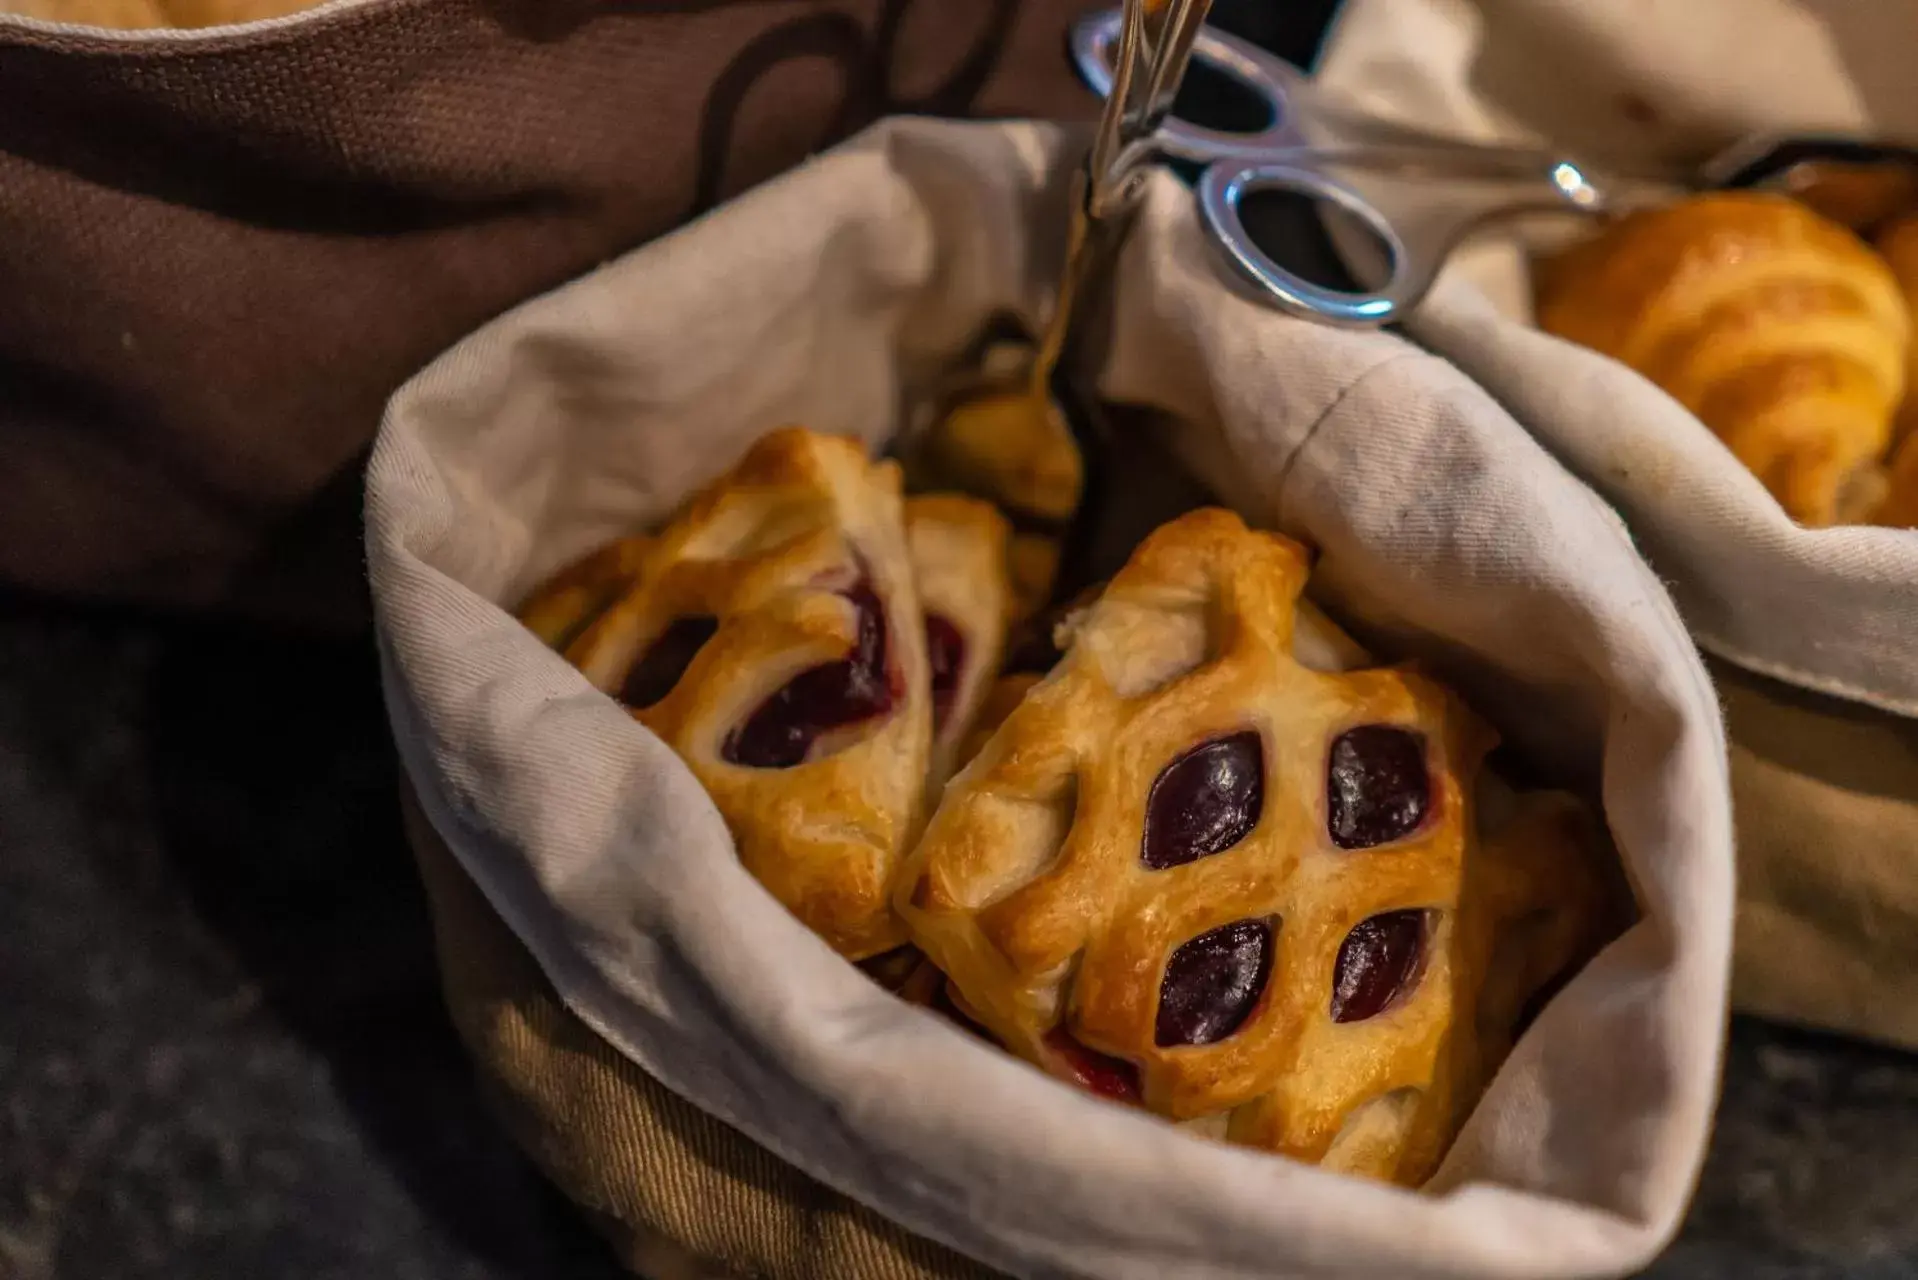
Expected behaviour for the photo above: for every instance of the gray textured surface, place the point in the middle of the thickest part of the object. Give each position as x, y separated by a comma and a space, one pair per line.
221, 1053
221, 1049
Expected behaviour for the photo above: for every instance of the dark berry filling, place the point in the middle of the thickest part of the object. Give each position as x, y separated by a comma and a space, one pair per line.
1205, 801
1091, 1070
829, 696
1377, 961
946, 655
655, 674
1376, 786
1213, 982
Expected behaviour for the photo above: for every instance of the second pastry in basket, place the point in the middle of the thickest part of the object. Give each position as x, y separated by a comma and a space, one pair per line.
1195, 874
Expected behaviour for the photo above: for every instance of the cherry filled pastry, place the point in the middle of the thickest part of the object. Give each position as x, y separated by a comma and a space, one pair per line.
771, 635
1189, 847
1205, 868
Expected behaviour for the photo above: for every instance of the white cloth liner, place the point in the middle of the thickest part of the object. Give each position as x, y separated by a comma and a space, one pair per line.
826, 296
1833, 610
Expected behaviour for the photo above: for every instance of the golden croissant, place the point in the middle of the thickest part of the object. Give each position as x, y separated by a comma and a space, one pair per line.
1781, 330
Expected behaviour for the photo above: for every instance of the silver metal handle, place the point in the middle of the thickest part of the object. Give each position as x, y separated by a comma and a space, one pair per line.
1220, 192
1155, 41
1095, 44
1416, 203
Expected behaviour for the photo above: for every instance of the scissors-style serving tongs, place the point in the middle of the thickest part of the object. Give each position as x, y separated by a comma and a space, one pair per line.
1022, 430
1395, 201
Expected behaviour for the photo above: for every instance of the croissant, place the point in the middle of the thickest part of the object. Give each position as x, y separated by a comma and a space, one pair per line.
1781, 330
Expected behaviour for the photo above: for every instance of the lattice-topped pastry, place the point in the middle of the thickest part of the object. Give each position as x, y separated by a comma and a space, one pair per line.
1190, 871
958, 551
771, 636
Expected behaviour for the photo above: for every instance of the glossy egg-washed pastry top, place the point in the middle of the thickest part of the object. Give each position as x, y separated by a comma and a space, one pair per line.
771, 635
1199, 854
1190, 872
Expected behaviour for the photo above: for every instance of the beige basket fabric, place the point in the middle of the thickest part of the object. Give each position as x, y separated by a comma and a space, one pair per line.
1825, 783
1826, 795
682, 1196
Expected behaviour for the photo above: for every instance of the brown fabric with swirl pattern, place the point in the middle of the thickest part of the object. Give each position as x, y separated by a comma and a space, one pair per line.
224, 251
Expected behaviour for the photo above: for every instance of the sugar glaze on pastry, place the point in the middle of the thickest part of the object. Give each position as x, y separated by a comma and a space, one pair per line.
1193, 873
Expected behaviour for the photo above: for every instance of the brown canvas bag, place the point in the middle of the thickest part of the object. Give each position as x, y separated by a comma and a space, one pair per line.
221, 252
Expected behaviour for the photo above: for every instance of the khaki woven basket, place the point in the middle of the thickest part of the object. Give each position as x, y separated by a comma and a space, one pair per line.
681, 1195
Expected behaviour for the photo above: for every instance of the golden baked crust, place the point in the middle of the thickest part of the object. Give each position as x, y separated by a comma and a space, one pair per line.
1018, 452
1015, 447
566, 603
1043, 890
781, 589
1780, 329
1001, 700
958, 550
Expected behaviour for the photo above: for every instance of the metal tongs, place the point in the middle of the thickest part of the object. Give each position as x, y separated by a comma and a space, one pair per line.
1156, 38
1048, 480
1393, 201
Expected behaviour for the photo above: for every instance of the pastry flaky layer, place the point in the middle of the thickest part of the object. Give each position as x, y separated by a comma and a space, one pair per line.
1781, 330
574, 597
959, 552
771, 634
1194, 873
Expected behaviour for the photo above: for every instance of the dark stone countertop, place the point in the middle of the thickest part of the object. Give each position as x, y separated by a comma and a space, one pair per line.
222, 1053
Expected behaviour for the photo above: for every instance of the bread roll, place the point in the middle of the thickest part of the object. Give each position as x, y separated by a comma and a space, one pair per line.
1780, 329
